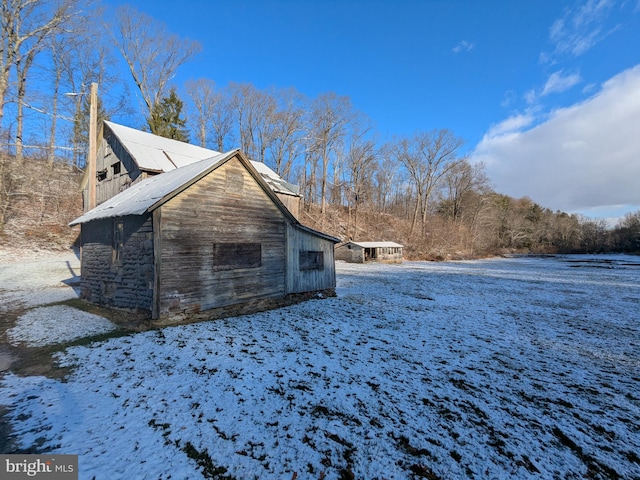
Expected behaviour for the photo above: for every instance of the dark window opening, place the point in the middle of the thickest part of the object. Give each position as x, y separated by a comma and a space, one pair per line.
310, 260
116, 168
118, 242
102, 175
230, 256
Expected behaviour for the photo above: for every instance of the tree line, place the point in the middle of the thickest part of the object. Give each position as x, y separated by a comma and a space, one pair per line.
353, 183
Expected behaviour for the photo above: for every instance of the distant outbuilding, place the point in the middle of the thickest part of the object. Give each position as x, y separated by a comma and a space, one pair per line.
361, 252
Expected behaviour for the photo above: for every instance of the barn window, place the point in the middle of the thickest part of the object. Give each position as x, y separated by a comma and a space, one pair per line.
118, 242
230, 256
116, 168
101, 175
310, 260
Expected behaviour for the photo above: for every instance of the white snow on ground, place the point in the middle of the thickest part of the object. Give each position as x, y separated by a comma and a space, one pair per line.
56, 324
505, 368
28, 281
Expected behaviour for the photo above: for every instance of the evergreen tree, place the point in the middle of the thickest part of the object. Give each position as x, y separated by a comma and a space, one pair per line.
166, 119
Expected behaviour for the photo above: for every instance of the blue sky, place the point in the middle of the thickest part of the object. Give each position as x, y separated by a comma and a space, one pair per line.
546, 93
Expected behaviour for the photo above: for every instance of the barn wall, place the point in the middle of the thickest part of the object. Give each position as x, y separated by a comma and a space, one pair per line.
291, 202
301, 247
121, 279
224, 212
108, 182
350, 253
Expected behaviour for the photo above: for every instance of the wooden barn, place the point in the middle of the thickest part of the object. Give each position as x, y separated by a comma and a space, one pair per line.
126, 156
204, 240
361, 252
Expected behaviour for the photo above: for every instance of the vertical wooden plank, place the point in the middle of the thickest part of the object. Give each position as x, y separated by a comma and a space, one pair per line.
157, 261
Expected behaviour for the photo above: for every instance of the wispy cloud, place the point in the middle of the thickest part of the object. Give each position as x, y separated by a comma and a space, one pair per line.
463, 46
513, 124
573, 159
558, 82
579, 29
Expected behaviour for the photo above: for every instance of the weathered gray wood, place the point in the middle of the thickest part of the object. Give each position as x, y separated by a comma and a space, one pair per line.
110, 181
300, 280
205, 215
223, 240
157, 262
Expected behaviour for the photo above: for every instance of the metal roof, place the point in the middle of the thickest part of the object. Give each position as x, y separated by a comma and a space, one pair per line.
275, 181
158, 154
152, 192
141, 197
376, 244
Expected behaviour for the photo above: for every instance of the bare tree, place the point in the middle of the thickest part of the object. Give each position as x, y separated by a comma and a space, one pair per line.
361, 162
459, 182
328, 118
221, 121
286, 130
427, 157
152, 54
81, 55
626, 233
254, 110
203, 96
25, 26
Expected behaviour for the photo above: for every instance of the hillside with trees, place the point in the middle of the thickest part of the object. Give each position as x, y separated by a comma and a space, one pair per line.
418, 189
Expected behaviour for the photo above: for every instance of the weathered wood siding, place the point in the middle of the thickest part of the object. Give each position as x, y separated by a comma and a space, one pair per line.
122, 279
350, 253
385, 255
225, 208
115, 169
304, 279
291, 202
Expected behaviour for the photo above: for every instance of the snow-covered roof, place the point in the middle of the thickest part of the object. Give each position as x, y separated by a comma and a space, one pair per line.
158, 154
275, 181
142, 196
376, 244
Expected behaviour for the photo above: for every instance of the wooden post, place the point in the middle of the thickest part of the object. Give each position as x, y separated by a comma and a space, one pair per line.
93, 132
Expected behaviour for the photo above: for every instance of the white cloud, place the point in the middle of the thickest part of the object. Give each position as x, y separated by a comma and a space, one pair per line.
558, 82
581, 28
512, 124
583, 157
463, 46
531, 97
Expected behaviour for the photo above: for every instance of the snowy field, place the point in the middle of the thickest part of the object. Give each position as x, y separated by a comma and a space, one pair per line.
28, 280
502, 368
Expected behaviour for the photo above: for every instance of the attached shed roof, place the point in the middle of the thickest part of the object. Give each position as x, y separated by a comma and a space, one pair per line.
157, 154
376, 244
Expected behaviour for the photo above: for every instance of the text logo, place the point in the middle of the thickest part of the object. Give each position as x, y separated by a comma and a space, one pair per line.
49, 467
